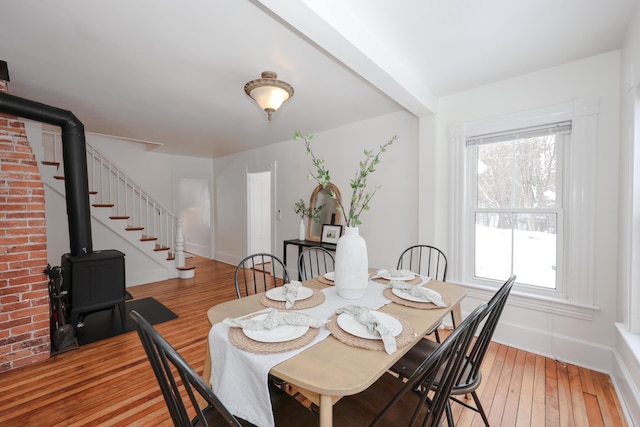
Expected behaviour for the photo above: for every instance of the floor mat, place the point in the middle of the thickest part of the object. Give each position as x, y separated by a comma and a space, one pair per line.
106, 323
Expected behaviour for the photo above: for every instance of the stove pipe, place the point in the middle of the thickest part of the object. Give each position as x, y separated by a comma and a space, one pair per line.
75, 164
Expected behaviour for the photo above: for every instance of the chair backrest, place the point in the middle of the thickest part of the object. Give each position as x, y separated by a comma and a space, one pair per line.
163, 357
314, 261
496, 304
424, 259
258, 273
441, 367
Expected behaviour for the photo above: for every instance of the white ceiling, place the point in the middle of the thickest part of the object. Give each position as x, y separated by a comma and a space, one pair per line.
172, 72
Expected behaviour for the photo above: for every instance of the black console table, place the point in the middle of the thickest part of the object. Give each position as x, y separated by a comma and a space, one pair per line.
305, 244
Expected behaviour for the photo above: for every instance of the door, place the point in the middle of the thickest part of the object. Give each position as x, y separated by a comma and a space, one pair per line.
259, 212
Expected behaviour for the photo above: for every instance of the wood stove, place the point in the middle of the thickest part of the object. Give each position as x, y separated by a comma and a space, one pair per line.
94, 281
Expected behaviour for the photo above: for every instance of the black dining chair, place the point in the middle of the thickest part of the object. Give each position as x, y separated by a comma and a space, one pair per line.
471, 376
258, 273
314, 261
390, 401
429, 261
177, 380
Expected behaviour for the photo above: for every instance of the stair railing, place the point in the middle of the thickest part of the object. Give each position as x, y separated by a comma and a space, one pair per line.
131, 203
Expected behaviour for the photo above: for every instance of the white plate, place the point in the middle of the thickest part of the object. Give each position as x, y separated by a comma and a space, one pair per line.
351, 325
330, 276
278, 334
408, 296
403, 278
277, 294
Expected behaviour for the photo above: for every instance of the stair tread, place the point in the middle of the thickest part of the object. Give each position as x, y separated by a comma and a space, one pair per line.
48, 163
186, 268
148, 239
59, 177
118, 217
93, 193
134, 228
161, 248
103, 205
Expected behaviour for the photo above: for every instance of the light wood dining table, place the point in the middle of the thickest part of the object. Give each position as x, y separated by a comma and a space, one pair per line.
329, 370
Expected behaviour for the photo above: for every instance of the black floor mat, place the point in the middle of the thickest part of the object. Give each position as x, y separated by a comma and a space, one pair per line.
106, 323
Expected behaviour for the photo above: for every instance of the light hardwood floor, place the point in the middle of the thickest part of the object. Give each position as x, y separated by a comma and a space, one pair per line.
110, 383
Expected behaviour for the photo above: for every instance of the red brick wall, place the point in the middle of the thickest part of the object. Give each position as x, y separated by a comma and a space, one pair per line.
24, 296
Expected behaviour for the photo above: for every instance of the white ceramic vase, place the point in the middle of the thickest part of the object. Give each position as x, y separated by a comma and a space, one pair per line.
351, 265
302, 231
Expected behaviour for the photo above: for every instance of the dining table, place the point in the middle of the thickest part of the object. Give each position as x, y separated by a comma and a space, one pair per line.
330, 369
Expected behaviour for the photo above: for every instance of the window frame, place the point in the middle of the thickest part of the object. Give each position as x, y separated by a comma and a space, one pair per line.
578, 210
473, 209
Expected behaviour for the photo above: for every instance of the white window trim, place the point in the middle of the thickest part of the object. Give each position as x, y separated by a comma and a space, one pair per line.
579, 199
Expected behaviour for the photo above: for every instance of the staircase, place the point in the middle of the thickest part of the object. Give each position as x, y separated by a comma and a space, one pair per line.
123, 207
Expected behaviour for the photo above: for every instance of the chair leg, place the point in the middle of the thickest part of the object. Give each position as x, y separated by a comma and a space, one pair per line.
435, 331
449, 415
480, 409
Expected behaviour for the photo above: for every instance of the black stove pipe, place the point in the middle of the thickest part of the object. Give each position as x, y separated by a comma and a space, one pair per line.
75, 164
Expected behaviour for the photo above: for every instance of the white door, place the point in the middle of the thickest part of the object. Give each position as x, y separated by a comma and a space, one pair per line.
259, 212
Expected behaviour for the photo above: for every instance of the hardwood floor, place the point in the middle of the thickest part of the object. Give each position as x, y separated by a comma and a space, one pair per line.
110, 383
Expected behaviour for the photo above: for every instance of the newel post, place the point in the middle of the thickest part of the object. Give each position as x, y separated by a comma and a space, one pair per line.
179, 243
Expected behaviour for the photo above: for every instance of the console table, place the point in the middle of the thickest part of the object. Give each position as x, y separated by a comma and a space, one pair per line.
305, 244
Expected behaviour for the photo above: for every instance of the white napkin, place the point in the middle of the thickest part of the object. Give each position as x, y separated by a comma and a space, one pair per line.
429, 295
391, 272
274, 319
364, 316
290, 292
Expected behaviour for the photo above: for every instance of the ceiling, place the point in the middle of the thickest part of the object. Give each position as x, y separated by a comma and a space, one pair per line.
171, 73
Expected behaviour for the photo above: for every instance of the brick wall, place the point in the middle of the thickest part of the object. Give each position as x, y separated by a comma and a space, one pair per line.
24, 297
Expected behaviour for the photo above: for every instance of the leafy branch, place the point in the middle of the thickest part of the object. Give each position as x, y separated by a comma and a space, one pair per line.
360, 198
303, 211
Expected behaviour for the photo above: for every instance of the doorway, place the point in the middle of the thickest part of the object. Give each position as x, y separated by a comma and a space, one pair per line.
193, 199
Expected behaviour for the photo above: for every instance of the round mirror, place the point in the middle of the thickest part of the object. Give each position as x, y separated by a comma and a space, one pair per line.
330, 213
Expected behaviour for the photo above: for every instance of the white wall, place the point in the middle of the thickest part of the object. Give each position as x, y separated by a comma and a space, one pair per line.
586, 342
388, 227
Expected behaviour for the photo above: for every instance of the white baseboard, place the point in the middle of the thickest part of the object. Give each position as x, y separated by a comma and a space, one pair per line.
563, 348
626, 372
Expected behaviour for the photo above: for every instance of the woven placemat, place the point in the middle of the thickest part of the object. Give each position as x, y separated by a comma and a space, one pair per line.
415, 281
243, 342
388, 293
324, 280
405, 337
315, 299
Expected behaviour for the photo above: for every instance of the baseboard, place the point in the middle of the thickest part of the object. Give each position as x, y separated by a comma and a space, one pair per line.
563, 348
626, 372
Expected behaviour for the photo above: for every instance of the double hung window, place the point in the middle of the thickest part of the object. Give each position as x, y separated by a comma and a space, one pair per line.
524, 203
515, 188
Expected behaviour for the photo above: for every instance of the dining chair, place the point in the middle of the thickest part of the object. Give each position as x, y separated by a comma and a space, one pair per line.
424, 259
429, 261
258, 273
178, 379
471, 376
400, 405
162, 357
314, 261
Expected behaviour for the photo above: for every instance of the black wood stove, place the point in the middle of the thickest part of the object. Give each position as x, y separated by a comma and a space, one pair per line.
93, 280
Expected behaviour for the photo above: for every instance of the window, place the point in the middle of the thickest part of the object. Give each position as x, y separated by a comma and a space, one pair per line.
523, 202
515, 184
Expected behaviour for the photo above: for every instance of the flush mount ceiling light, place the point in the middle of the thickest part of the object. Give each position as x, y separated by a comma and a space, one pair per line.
269, 92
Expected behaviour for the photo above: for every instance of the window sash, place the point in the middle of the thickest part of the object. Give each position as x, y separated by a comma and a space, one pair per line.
471, 147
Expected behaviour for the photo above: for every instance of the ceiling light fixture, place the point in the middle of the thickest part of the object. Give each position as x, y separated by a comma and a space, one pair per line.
269, 92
